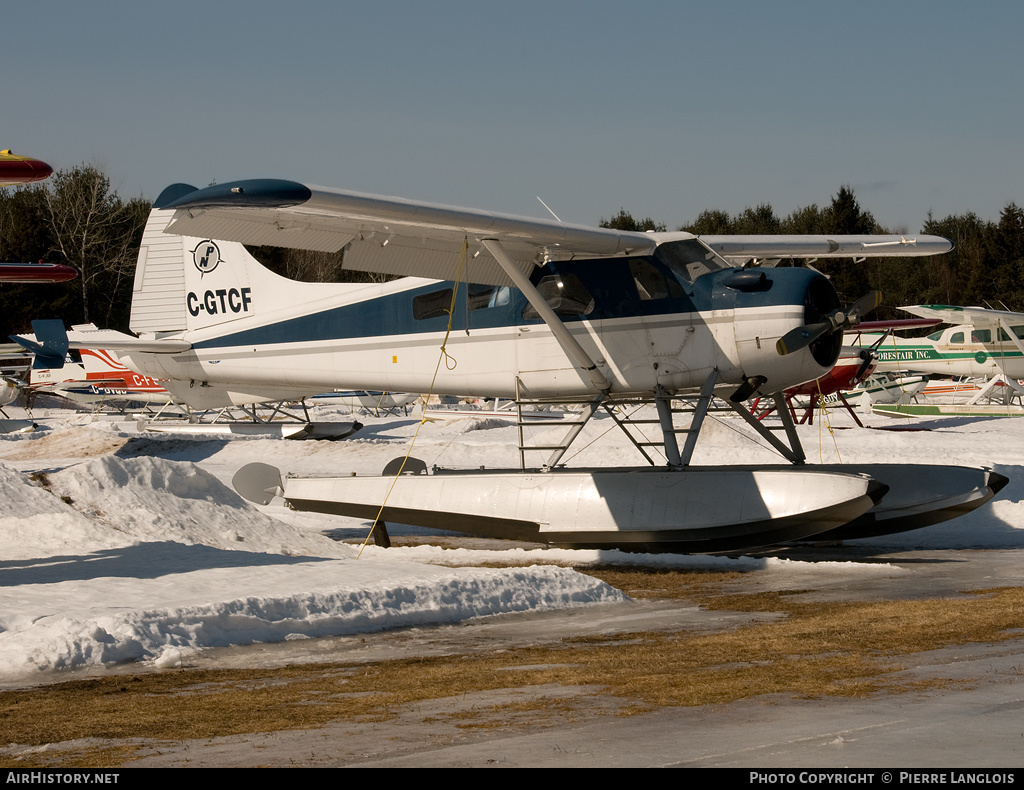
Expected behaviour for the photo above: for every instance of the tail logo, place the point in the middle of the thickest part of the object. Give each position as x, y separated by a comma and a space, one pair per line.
206, 256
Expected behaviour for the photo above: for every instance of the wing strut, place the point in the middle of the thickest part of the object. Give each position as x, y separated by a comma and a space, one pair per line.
562, 334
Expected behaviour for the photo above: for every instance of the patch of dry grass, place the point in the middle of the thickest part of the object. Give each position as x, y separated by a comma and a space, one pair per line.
814, 649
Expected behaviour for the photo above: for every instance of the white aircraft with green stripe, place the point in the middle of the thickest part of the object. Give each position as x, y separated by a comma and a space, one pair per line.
981, 342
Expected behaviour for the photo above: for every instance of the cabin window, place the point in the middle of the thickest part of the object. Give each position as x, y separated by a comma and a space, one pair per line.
936, 336
981, 336
565, 294
651, 283
480, 297
432, 305
956, 337
1017, 330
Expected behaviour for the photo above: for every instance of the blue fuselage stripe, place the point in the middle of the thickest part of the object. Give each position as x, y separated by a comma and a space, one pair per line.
608, 281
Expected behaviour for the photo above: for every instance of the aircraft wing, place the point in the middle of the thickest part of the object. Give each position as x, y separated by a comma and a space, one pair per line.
897, 323
407, 238
974, 316
863, 246
386, 234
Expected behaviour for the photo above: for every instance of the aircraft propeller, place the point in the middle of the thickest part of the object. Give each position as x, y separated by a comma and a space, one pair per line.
803, 336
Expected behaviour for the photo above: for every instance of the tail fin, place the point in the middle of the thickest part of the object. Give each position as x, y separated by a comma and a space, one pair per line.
184, 283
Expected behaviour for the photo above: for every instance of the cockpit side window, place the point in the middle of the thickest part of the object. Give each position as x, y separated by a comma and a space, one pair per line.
651, 284
566, 295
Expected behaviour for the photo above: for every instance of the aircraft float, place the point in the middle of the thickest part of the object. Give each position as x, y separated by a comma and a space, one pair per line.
535, 310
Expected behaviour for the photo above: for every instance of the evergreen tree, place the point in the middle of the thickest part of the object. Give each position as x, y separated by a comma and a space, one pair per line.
710, 222
757, 221
624, 221
844, 216
804, 221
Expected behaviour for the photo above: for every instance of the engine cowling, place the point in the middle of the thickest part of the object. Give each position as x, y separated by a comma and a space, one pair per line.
769, 303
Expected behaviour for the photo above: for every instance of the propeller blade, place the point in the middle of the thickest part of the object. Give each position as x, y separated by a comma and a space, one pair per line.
865, 304
801, 337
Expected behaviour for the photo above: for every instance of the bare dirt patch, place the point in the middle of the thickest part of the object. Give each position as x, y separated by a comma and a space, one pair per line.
74, 442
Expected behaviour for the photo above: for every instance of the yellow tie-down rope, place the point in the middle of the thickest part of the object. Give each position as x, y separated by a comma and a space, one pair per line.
825, 417
450, 363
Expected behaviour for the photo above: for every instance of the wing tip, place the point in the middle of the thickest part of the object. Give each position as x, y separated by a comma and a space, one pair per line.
251, 193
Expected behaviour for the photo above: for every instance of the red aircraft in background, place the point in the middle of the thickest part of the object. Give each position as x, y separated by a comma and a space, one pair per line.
36, 273
853, 366
14, 171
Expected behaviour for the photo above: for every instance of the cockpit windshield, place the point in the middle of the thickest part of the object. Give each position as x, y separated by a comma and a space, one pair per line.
690, 258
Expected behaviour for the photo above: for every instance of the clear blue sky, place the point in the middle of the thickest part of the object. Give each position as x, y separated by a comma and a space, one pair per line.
664, 108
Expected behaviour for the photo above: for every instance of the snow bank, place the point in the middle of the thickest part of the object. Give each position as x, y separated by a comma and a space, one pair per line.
92, 635
152, 499
145, 559
36, 523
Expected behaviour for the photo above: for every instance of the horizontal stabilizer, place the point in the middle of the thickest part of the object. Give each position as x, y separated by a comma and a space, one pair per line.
112, 340
49, 343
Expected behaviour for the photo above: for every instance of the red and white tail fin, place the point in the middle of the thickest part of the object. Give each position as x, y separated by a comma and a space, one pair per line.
99, 363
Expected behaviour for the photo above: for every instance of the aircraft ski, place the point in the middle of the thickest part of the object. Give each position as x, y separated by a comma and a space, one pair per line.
534, 310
